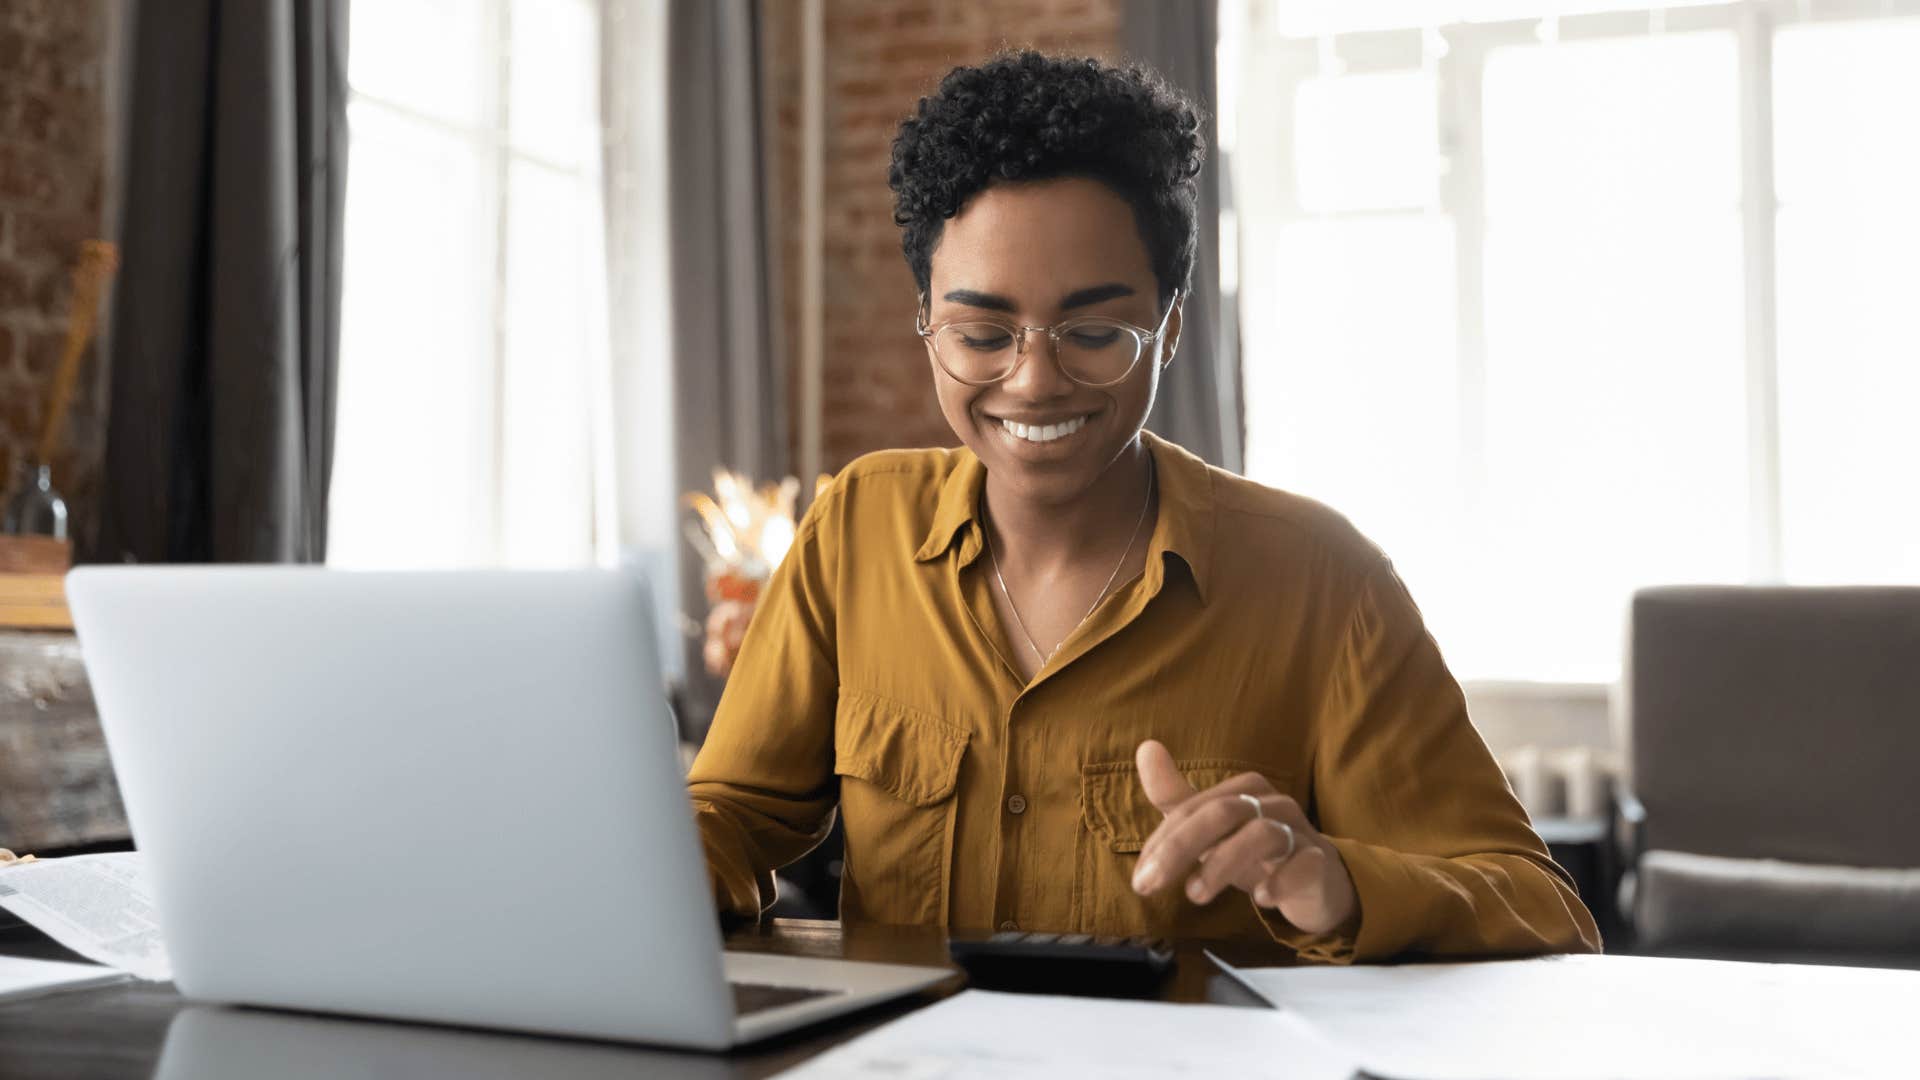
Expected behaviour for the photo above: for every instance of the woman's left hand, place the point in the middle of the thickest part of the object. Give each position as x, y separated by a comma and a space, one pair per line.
1212, 840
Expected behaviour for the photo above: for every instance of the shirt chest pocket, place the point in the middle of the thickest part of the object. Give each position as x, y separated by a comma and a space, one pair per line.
898, 769
1116, 819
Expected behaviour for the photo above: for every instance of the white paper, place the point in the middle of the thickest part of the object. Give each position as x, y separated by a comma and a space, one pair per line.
96, 905
977, 1035
1576, 1017
24, 978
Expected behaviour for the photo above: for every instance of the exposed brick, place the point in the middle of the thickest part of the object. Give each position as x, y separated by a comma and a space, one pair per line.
36, 120
55, 236
55, 291
32, 17
18, 287
881, 59
13, 49
66, 124
26, 176
20, 414
908, 17
34, 62
52, 180
42, 352
932, 56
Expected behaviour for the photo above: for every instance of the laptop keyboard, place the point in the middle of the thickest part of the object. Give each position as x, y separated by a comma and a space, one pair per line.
759, 997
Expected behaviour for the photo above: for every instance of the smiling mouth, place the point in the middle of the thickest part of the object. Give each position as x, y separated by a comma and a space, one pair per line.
1044, 433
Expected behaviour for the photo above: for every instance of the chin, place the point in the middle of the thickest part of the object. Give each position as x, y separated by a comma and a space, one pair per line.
1054, 462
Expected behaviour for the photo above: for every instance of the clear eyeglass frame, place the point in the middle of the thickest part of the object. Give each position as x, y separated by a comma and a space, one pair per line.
1143, 337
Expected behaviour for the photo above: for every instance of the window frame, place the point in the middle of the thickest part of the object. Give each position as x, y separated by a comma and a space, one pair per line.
1286, 62
491, 138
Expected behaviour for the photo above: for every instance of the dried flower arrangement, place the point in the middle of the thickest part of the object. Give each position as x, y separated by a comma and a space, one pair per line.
741, 532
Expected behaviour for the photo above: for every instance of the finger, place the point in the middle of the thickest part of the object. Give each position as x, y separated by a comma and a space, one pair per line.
1159, 777
1178, 844
1239, 861
1291, 878
1301, 889
1247, 783
1277, 810
1280, 807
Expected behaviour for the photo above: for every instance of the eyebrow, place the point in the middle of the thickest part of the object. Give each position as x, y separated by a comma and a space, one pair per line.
1077, 298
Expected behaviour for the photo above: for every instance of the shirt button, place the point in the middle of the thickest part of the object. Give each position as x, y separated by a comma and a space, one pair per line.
1008, 924
1016, 804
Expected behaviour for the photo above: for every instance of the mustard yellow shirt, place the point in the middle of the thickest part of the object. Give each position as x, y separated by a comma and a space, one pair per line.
1265, 634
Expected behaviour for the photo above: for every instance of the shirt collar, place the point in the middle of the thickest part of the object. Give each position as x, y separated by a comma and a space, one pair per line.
1186, 520
958, 508
1184, 527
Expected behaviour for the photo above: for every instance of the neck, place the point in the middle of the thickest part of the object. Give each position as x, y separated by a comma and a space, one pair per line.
1051, 536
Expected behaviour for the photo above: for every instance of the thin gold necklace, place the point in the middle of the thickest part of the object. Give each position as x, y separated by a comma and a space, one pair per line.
1046, 657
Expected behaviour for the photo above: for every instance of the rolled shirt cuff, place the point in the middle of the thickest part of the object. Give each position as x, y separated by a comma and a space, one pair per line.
1381, 925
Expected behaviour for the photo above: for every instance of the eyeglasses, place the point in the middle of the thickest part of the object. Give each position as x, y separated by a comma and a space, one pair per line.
1093, 350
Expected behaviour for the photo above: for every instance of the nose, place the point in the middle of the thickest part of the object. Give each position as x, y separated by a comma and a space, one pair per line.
1037, 375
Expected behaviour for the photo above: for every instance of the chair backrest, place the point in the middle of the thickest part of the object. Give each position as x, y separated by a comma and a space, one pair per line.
1778, 723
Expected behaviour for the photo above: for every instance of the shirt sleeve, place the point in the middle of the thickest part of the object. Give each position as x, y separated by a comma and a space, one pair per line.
763, 785
1442, 856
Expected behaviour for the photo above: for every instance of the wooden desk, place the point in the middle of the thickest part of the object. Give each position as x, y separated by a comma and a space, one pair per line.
57, 788
118, 1032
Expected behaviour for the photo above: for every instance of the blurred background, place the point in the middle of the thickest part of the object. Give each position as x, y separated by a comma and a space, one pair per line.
1563, 302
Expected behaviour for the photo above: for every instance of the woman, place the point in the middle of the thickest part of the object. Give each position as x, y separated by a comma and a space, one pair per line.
1070, 678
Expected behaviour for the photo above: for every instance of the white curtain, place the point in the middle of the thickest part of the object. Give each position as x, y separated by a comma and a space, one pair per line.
1199, 405
639, 415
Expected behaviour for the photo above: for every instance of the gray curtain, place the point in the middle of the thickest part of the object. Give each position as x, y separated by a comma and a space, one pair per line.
1199, 405
729, 404
227, 308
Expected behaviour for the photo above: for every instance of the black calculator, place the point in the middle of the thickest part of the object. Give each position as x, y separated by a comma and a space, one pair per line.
1078, 964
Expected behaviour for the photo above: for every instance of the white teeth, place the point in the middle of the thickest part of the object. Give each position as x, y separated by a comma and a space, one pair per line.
1042, 433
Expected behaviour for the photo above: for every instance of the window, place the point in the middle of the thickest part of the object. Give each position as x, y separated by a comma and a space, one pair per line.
473, 332
1527, 313
1848, 153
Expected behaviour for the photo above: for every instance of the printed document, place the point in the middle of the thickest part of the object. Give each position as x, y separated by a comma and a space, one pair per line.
23, 978
978, 1035
96, 905
1580, 1017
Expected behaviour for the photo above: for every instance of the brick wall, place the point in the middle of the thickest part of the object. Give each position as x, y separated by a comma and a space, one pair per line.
52, 168
882, 56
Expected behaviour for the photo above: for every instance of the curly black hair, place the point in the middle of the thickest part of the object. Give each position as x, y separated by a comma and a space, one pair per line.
1029, 116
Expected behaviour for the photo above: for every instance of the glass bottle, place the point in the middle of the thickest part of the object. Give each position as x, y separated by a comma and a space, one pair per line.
37, 509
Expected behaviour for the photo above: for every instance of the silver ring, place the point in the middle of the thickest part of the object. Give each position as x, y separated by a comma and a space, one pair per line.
1260, 814
1276, 860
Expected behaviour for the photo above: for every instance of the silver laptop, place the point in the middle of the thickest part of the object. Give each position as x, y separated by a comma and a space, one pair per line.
452, 797
213, 1042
